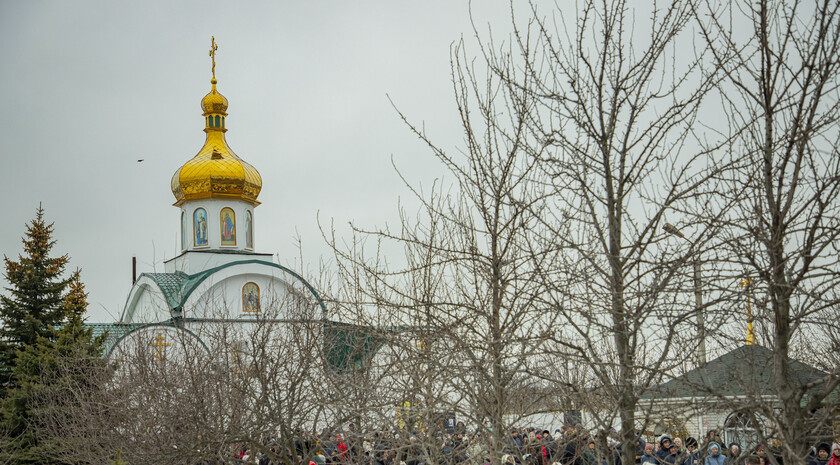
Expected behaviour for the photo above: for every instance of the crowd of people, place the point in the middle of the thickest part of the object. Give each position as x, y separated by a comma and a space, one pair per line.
529, 446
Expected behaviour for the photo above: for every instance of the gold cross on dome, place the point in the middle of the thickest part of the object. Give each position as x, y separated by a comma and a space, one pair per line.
213, 48
160, 344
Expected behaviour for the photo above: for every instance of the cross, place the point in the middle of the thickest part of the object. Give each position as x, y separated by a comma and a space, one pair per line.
159, 342
213, 48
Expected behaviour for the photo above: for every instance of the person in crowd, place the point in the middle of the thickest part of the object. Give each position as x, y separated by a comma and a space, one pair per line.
752, 460
711, 436
649, 456
575, 446
664, 448
340, 455
640, 448
734, 457
835, 454
679, 443
413, 454
776, 450
590, 454
381, 450
673, 457
460, 427
761, 453
822, 455
714, 456
693, 455
514, 443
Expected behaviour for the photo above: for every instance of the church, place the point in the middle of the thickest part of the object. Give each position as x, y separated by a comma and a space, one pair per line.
219, 289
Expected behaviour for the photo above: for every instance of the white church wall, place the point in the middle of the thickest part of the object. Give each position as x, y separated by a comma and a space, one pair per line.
145, 303
221, 294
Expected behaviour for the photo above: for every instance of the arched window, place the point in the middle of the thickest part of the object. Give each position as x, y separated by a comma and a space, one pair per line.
743, 428
183, 230
199, 227
251, 298
227, 219
249, 230
217, 121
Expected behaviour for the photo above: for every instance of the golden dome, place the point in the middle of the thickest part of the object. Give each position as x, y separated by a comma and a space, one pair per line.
216, 171
214, 102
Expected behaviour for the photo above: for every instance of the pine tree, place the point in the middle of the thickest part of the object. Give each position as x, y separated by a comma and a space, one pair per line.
34, 307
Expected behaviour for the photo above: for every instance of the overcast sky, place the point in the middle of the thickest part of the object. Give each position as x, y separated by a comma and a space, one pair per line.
88, 88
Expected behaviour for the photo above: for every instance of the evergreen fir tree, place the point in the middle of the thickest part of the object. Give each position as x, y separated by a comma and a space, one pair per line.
50, 377
47, 355
34, 307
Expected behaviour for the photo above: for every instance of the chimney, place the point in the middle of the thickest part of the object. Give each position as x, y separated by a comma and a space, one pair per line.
133, 270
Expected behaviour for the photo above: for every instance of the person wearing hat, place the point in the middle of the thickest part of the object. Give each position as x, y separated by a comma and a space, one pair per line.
714, 457
734, 455
692, 455
674, 457
835, 454
590, 454
649, 456
664, 448
823, 452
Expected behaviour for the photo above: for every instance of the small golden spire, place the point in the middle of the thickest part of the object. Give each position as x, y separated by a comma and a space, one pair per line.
750, 330
213, 48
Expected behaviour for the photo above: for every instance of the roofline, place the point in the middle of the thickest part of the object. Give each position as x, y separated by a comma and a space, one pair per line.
211, 271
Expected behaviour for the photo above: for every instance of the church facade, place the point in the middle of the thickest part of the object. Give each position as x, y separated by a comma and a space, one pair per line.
220, 290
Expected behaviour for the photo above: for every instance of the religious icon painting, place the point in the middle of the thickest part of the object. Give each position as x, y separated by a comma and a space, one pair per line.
183, 230
249, 232
200, 227
228, 224
250, 298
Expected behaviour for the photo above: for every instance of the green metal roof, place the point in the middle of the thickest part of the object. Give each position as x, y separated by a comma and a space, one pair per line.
115, 331
171, 284
348, 346
747, 370
345, 346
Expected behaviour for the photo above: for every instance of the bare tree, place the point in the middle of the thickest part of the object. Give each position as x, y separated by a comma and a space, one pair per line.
616, 99
172, 395
468, 287
779, 59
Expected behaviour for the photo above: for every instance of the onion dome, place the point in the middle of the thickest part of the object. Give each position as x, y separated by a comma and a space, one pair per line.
216, 171
214, 102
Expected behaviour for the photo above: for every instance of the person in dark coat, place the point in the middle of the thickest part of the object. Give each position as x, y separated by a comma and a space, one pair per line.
674, 457
574, 448
823, 455
734, 457
664, 448
591, 455
693, 455
649, 456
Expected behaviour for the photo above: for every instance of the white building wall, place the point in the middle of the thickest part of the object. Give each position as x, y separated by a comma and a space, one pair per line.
145, 303
220, 296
